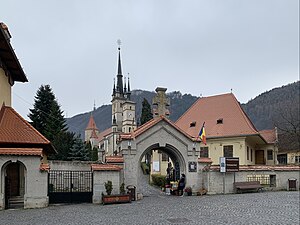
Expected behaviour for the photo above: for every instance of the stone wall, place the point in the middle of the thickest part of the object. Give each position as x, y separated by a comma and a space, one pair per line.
99, 179
35, 182
214, 179
70, 165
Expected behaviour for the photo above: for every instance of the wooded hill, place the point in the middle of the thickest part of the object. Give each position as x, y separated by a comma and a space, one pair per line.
265, 111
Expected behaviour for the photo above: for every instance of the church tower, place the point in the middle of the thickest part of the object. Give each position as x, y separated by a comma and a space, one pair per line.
123, 110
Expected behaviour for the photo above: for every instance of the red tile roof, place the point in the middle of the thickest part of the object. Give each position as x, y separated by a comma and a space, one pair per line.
140, 130
269, 135
21, 151
105, 167
14, 130
44, 167
94, 135
225, 107
103, 134
91, 124
204, 160
114, 159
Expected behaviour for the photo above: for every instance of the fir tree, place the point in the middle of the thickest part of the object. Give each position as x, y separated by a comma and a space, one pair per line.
63, 142
146, 112
46, 115
95, 154
79, 151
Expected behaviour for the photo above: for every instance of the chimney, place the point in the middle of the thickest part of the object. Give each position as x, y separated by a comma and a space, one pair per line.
6, 31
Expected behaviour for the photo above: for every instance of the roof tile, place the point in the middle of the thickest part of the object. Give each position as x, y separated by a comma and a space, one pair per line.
105, 167
21, 151
225, 107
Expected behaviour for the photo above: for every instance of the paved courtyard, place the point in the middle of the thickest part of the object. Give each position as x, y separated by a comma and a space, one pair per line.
253, 208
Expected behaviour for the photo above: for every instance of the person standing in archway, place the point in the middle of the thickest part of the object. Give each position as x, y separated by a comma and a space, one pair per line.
181, 185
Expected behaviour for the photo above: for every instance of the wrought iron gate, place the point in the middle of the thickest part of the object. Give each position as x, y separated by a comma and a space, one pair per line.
70, 186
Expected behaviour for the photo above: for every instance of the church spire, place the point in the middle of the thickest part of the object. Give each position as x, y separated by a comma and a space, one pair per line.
128, 93
119, 75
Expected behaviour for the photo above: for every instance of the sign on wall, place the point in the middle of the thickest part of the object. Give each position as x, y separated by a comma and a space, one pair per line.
192, 166
155, 166
222, 164
232, 164
229, 164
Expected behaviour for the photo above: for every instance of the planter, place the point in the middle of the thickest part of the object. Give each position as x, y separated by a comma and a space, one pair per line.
115, 199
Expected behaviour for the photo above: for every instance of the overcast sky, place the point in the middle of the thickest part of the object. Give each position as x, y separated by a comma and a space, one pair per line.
197, 47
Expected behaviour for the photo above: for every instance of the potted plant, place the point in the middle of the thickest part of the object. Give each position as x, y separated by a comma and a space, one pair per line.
114, 198
108, 187
188, 190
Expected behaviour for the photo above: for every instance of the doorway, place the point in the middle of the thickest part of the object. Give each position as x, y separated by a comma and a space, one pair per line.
259, 157
14, 185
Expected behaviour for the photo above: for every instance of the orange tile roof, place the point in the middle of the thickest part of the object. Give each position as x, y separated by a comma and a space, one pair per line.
205, 160
14, 130
114, 159
94, 135
269, 135
223, 107
21, 151
140, 130
105, 167
44, 167
91, 124
103, 134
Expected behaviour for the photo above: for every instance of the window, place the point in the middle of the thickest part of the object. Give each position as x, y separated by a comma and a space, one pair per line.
220, 121
164, 157
248, 152
297, 159
251, 155
193, 124
262, 178
228, 150
204, 152
270, 154
282, 159
129, 129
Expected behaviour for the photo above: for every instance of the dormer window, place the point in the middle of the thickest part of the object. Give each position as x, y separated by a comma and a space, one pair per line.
220, 121
193, 124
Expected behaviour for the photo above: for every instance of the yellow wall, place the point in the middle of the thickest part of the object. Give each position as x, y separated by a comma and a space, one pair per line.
5, 89
215, 149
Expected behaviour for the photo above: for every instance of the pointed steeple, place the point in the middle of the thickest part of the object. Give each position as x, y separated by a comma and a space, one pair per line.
125, 89
119, 75
114, 88
128, 93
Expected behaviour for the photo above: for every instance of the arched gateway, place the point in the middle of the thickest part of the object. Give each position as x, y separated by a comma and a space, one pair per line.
159, 134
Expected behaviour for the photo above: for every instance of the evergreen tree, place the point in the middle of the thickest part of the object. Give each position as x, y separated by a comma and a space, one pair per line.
48, 119
79, 151
42, 108
146, 112
46, 116
95, 154
63, 142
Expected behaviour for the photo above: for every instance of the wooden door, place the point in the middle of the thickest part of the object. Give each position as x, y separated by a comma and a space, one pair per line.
13, 178
259, 157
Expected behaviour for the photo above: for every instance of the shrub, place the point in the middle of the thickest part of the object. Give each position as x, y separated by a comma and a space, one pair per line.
159, 180
108, 187
122, 189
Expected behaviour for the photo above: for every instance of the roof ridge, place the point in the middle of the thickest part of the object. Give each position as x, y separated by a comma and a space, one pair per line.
247, 119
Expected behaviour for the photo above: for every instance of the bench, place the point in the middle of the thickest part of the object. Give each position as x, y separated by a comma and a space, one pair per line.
247, 185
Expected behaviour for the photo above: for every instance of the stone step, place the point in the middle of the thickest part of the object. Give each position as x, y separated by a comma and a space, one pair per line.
16, 202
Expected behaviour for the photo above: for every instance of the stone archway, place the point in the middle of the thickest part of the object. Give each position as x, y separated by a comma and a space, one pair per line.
14, 174
175, 156
160, 134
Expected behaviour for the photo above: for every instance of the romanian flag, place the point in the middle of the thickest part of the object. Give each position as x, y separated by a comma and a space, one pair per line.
202, 134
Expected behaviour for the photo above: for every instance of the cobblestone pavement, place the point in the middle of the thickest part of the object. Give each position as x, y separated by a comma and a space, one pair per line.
248, 208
